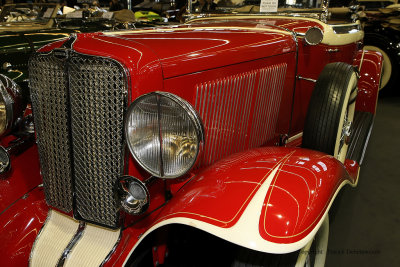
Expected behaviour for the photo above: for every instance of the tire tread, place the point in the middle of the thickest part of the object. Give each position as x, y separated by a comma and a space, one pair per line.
323, 115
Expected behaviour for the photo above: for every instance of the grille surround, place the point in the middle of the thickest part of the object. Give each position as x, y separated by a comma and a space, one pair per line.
93, 92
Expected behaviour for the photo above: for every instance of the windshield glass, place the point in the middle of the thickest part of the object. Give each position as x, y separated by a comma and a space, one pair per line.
22, 13
257, 6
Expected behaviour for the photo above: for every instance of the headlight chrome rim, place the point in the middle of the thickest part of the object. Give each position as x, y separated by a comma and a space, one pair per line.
194, 118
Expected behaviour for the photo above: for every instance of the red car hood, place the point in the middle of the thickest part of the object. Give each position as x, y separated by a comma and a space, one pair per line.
196, 47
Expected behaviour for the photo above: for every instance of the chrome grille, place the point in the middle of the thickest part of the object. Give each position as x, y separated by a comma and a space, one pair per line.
268, 99
239, 112
224, 105
49, 94
94, 103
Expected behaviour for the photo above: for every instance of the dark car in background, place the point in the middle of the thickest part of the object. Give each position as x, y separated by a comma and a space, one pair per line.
26, 27
381, 24
382, 34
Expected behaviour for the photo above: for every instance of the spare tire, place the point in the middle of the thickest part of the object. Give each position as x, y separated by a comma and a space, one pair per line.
331, 110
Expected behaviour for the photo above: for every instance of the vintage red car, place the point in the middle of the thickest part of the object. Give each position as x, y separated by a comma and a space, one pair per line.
219, 142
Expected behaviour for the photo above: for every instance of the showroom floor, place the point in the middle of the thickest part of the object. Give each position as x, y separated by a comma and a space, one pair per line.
365, 231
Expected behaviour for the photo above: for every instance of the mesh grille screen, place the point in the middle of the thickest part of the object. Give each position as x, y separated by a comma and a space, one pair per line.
93, 97
48, 86
97, 109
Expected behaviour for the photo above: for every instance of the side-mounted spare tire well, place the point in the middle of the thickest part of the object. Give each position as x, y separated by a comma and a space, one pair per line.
331, 110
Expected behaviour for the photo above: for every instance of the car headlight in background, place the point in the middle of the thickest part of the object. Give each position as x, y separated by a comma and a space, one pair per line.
164, 134
11, 104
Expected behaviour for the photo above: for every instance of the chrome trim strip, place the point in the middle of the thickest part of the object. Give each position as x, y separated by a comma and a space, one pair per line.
72, 243
294, 137
112, 250
221, 99
366, 143
224, 120
55, 235
249, 83
257, 108
181, 29
212, 136
306, 79
94, 247
232, 111
345, 29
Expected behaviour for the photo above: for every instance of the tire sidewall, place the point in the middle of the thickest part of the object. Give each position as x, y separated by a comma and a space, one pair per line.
349, 110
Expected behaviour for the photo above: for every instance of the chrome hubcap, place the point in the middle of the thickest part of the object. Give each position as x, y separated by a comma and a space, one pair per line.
346, 132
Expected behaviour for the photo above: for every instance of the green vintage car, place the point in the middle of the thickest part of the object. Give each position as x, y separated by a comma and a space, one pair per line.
26, 27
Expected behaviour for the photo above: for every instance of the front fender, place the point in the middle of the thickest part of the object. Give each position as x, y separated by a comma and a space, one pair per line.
267, 199
19, 226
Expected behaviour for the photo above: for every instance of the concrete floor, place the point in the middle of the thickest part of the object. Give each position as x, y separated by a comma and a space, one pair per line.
365, 231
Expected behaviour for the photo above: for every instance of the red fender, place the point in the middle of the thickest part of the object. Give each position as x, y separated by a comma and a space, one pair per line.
271, 199
23, 209
20, 224
369, 64
23, 177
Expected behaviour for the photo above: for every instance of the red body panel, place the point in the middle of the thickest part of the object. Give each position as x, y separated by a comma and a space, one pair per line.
20, 225
219, 194
183, 52
370, 77
23, 177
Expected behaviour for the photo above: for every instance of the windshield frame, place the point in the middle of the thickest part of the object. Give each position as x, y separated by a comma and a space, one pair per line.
316, 13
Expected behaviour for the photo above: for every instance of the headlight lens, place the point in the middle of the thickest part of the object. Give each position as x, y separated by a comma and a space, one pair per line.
164, 134
11, 104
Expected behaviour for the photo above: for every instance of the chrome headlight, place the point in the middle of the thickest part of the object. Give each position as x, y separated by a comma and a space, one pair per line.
11, 104
164, 134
